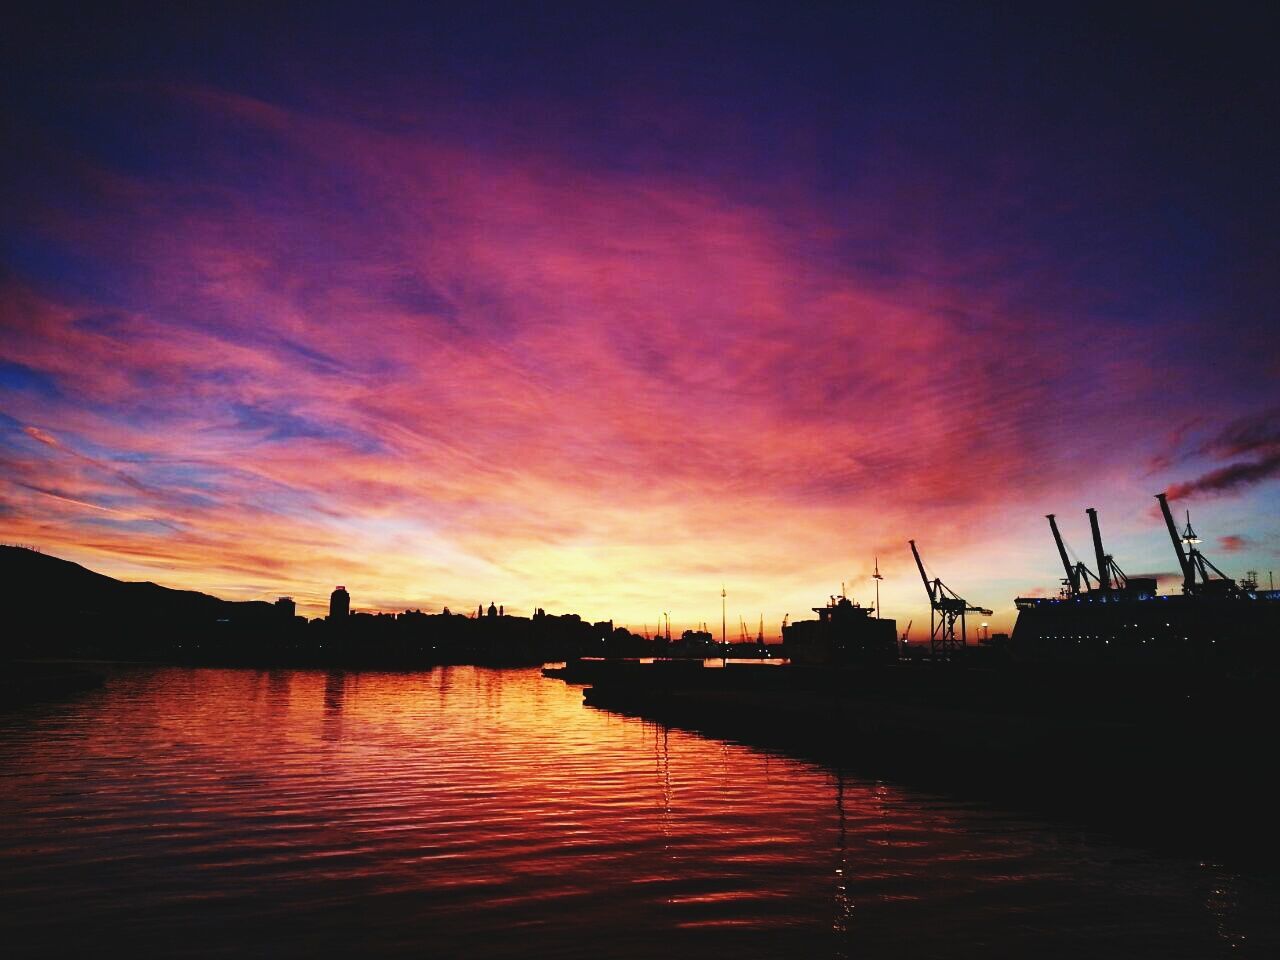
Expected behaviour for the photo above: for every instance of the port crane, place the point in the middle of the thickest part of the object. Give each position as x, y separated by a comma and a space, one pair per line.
1192, 561
1110, 582
1079, 578
945, 608
1110, 576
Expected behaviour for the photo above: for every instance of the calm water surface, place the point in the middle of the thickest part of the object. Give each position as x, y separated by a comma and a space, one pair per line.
482, 813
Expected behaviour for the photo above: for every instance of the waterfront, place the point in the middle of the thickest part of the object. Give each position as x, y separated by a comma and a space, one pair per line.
487, 813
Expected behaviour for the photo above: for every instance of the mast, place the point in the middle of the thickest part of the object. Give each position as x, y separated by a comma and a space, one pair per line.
724, 643
1104, 563
1201, 564
877, 578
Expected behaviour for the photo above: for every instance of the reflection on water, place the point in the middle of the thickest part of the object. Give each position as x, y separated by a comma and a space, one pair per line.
488, 814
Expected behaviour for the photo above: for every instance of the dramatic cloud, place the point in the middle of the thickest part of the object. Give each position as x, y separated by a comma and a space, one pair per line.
1230, 478
344, 347
1259, 431
1258, 436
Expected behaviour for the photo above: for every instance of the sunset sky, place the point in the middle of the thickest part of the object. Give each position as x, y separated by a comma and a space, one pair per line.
598, 308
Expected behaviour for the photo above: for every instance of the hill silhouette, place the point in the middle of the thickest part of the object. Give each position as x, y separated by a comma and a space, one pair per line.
63, 610
51, 589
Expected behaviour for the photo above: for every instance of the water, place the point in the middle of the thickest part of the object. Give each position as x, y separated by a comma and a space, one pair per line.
483, 813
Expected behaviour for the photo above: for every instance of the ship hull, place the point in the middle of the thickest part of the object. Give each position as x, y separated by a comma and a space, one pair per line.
1228, 633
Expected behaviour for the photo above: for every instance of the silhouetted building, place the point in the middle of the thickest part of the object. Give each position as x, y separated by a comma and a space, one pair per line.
287, 608
493, 611
339, 604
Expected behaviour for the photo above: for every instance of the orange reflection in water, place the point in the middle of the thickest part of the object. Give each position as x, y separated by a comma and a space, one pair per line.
488, 813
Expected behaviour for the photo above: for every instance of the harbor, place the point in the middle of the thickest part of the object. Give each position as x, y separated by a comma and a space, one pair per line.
1108, 682
639, 481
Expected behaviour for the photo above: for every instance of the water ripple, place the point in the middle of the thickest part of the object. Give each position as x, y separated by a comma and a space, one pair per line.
481, 813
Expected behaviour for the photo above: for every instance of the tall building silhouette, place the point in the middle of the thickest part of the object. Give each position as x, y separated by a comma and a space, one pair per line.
339, 604
287, 607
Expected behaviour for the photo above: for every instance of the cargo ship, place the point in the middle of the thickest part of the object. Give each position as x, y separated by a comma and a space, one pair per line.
844, 633
1105, 617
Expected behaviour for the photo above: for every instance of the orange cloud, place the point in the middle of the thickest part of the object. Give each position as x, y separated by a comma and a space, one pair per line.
444, 376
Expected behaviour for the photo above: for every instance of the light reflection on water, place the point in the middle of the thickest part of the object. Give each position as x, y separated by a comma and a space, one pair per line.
489, 814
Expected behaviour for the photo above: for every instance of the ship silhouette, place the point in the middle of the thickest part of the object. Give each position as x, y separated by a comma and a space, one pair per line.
1104, 617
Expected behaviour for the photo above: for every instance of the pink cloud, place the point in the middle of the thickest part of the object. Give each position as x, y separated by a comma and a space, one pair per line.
39, 435
425, 370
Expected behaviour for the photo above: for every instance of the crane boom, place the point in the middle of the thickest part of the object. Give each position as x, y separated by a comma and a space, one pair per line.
1104, 562
1188, 572
945, 608
924, 577
1073, 579
1193, 561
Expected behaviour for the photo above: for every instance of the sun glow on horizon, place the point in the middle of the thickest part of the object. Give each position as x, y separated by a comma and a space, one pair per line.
601, 363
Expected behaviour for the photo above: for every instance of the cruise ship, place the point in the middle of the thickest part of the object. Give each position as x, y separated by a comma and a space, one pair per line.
1106, 617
